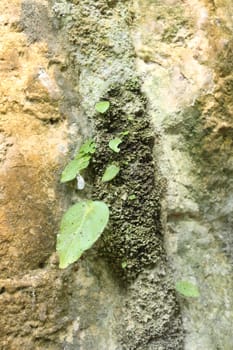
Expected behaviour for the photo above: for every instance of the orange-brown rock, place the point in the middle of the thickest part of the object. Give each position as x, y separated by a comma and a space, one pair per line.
33, 136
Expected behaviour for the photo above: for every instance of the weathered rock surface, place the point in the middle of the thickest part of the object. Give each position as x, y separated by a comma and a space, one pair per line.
57, 59
102, 56
184, 54
33, 134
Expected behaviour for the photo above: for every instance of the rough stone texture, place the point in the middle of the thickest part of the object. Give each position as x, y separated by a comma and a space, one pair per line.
57, 59
184, 51
101, 54
33, 133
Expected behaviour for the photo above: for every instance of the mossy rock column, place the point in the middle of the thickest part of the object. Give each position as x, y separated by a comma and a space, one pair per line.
102, 58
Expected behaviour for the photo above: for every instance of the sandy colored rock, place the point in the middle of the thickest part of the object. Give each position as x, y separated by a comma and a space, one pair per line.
33, 136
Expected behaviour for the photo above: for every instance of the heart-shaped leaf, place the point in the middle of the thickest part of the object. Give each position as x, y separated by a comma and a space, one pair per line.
80, 228
74, 167
102, 106
111, 172
187, 289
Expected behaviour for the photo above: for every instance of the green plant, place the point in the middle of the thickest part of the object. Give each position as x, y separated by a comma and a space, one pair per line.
124, 133
80, 228
80, 162
110, 172
124, 265
102, 106
84, 222
132, 197
130, 118
113, 144
187, 289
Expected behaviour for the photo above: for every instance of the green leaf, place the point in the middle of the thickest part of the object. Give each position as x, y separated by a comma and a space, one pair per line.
113, 144
111, 172
124, 264
102, 106
124, 133
80, 228
132, 197
130, 118
80, 162
187, 289
74, 167
88, 147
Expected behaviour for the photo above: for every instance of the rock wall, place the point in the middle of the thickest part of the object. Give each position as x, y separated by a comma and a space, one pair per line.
184, 51
102, 56
34, 140
165, 67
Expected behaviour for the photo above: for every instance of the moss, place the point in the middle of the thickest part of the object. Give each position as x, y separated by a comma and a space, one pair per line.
134, 232
102, 56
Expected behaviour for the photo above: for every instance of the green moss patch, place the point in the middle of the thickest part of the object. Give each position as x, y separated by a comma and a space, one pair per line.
134, 233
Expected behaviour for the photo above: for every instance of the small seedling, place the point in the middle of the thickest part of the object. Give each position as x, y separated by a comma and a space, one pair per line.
85, 221
80, 162
187, 289
102, 106
110, 173
89, 147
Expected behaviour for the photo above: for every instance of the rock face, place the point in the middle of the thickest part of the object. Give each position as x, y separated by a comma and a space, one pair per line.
33, 136
166, 68
184, 54
101, 54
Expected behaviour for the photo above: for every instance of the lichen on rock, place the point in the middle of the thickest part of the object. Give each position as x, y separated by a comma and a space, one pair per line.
188, 81
67, 56
101, 54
